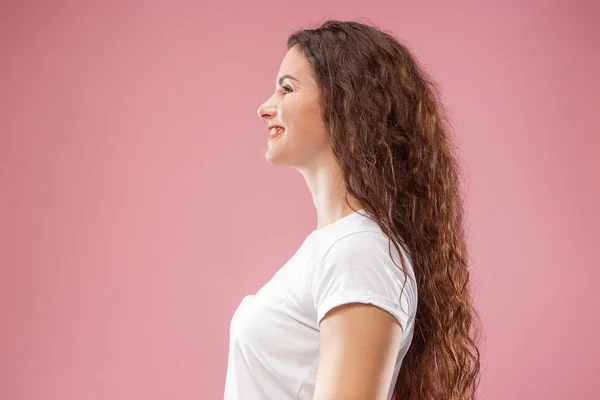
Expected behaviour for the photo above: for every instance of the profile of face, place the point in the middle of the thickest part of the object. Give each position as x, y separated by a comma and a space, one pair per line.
295, 107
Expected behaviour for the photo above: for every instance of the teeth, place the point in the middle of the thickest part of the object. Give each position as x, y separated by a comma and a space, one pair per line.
275, 130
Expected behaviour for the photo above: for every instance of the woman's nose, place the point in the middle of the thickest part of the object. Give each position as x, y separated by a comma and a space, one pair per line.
266, 109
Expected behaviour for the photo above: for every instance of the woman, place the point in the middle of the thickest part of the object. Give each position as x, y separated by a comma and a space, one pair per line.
376, 302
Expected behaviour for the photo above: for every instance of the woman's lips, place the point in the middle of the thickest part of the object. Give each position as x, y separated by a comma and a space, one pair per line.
279, 133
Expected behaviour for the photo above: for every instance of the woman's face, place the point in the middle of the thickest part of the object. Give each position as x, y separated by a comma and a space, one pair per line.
294, 106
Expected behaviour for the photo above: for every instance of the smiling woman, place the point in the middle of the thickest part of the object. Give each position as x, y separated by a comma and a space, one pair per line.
376, 303
298, 112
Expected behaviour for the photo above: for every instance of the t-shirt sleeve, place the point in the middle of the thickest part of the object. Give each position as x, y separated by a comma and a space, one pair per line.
358, 269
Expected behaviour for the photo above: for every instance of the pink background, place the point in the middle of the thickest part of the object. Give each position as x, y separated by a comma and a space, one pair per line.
137, 209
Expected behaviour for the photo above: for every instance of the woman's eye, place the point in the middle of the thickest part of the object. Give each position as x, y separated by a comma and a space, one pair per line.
287, 89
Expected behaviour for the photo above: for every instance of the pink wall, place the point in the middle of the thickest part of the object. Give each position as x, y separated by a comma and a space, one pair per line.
137, 209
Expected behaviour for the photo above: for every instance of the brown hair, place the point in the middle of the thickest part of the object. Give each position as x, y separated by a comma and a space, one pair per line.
390, 135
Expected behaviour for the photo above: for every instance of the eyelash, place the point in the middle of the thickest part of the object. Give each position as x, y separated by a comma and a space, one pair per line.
286, 88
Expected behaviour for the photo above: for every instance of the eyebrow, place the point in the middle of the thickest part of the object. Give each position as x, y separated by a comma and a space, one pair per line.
286, 76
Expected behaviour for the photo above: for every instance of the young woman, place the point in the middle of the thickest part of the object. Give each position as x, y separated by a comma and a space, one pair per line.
375, 304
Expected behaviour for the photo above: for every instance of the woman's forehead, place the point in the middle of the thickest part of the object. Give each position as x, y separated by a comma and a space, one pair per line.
293, 63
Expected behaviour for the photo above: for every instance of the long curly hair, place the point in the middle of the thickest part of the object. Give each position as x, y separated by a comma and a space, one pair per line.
389, 133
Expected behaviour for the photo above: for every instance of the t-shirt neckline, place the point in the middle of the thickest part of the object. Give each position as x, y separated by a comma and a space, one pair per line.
339, 221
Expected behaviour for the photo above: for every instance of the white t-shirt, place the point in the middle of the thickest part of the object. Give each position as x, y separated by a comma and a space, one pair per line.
274, 334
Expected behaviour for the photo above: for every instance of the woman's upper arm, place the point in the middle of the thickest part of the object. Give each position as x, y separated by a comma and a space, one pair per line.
358, 347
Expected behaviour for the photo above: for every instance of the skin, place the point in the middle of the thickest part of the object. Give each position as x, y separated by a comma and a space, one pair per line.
304, 146
358, 342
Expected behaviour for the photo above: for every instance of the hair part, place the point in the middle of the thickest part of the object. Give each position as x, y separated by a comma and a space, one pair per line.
389, 133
